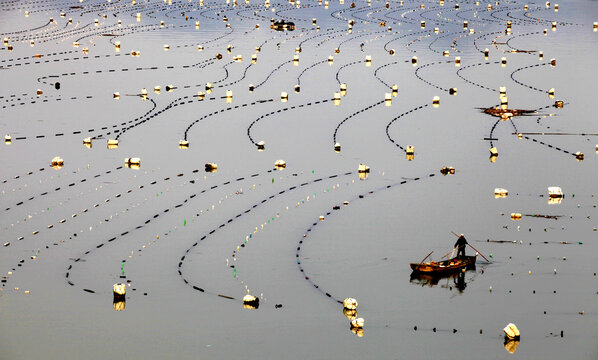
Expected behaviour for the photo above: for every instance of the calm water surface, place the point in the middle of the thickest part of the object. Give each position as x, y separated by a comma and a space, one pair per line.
190, 244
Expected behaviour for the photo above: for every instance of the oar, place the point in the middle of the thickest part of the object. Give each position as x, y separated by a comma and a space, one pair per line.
478, 252
426, 257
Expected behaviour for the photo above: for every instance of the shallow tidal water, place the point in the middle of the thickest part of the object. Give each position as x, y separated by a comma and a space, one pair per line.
189, 244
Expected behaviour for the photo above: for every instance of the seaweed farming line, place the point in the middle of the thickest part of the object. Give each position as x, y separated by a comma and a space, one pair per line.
248, 210
156, 216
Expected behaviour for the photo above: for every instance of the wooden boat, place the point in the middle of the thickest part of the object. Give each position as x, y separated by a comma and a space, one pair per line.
444, 267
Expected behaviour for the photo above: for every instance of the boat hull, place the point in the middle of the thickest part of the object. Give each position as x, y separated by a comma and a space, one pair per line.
444, 267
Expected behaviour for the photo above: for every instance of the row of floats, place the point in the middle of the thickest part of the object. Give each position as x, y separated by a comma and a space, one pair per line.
555, 196
512, 335
135, 162
284, 26
553, 192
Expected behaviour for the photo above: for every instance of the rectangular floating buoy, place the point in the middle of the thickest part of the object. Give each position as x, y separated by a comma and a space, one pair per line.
465, 24
133, 163
280, 164
436, 101
515, 216
457, 60
555, 192
183, 144
422, 24
511, 331
388, 99
362, 168
337, 99
119, 291
343, 89
112, 144
57, 162
284, 97
500, 193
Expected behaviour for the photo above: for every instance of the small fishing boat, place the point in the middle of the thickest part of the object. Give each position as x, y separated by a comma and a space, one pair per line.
444, 267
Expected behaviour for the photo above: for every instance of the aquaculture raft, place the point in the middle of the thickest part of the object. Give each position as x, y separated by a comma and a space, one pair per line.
444, 267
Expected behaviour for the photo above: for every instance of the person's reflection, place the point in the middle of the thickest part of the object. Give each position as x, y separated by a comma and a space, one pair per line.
460, 281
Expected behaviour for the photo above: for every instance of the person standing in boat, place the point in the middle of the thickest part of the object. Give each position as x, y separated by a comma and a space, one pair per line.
460, 245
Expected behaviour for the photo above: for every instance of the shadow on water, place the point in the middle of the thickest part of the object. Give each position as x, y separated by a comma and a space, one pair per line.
446, 281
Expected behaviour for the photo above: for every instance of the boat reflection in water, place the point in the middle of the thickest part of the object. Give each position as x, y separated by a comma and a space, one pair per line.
450, 280
511, 345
